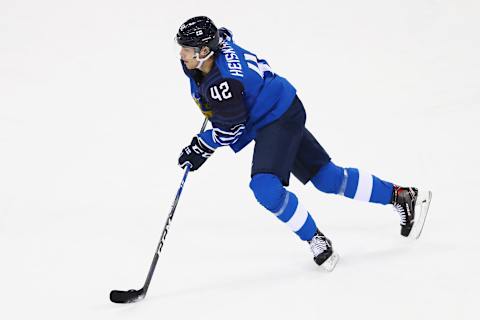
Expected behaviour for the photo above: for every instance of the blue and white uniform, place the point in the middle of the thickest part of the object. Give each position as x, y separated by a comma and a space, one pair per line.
242, 94
246, 101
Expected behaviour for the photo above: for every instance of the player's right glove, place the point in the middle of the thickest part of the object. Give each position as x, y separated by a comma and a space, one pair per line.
195, 154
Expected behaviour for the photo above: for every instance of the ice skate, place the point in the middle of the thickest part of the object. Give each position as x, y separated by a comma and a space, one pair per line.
412, 206
323, 253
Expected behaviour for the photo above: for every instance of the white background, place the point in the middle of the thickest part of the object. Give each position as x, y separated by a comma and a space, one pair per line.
94, 110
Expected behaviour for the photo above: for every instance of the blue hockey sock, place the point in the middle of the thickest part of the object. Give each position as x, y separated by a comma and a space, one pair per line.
352, 183
271, 194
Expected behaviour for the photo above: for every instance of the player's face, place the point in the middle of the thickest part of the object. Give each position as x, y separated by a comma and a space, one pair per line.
187, 54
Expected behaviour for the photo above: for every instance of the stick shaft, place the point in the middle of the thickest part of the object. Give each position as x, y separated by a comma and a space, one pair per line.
167, 224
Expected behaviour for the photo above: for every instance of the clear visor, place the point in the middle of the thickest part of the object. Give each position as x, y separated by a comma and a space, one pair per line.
183, 52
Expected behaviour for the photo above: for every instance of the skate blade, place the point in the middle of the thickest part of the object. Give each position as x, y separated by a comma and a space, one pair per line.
422, 205
331, 262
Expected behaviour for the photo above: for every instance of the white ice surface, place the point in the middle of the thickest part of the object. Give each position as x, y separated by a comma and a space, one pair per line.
94, 109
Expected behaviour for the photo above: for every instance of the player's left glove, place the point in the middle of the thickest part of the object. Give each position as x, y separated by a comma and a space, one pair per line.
195, 154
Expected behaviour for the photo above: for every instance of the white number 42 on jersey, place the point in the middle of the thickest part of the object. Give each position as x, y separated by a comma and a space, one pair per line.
221, 92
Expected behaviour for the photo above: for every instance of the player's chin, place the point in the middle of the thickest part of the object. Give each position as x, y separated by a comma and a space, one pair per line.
190, 65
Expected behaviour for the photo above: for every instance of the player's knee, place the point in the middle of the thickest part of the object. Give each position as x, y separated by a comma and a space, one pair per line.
329, 178
268, 190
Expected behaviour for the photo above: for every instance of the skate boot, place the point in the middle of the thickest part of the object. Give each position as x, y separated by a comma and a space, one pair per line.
412, 207
323, 253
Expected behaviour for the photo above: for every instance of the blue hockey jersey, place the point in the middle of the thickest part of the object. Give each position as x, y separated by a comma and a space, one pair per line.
240, 95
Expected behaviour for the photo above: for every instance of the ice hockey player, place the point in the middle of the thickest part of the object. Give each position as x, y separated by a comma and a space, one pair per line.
245, 101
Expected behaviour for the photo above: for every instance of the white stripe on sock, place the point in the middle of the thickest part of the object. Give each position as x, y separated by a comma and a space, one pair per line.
343, 186
364, 187
298, 219
284, 205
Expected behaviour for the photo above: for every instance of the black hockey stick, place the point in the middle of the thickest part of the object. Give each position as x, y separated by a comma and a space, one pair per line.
119, 296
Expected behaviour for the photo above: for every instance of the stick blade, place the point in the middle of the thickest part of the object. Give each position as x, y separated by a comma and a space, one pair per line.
130, 296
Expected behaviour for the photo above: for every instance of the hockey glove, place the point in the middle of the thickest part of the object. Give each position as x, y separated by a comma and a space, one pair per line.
195, 154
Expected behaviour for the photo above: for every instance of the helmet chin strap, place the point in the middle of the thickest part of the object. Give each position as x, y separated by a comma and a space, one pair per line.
202, 60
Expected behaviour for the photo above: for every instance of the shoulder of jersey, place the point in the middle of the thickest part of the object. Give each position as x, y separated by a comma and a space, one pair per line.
228, 61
